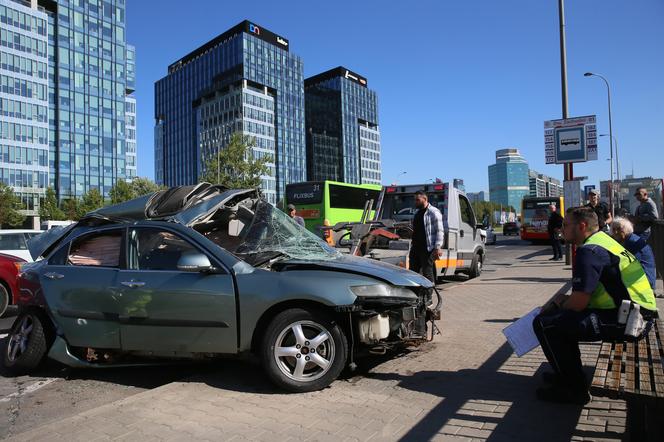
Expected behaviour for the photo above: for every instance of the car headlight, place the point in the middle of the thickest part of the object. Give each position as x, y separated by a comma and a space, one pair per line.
380, 290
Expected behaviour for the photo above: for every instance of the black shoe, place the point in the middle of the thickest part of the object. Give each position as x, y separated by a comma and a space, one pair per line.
553, 259
558, 259
563, 395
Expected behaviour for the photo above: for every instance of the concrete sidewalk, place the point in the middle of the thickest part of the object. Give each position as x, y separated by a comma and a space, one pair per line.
466, 385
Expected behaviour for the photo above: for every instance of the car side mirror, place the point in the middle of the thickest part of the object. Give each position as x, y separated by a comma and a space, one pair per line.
479, 226
194, 262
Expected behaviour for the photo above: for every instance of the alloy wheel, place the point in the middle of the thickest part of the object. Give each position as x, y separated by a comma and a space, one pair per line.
18, 341
304, 351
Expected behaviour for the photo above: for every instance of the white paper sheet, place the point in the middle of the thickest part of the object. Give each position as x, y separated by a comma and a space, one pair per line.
521, 335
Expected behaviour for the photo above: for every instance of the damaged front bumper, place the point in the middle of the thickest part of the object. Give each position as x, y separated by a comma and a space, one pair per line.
388, 321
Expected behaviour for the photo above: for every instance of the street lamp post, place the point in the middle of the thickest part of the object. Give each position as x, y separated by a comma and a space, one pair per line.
618, 176
608, 94
396, 180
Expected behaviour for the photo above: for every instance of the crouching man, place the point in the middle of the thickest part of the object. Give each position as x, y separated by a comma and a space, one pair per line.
604, 275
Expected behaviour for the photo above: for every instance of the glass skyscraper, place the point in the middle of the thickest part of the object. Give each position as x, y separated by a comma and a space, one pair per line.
88, 72
343, 137
508, 178
24, 104
245, 80
67, 76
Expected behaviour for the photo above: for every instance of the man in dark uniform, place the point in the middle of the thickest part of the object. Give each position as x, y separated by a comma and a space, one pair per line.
554, 226
602, 211
604, 275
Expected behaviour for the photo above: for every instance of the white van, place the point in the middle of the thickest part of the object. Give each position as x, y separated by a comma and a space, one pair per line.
46, 225
464, 250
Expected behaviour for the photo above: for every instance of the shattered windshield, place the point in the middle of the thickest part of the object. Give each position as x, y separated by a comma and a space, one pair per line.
273, 231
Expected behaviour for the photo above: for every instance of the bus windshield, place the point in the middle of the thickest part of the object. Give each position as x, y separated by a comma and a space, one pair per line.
535, 214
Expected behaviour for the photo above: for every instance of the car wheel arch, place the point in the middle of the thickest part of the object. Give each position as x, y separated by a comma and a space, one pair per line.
274, 310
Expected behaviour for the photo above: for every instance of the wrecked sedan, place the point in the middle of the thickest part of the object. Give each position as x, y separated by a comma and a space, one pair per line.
198, 272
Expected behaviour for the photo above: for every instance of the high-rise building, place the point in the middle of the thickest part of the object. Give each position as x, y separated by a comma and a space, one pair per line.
88, 89
245, 80
67, 76
24, 101
508, 178
542, 185
343, 136
480, 196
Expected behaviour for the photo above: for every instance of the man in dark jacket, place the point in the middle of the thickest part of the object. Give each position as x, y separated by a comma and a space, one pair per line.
602, 211
554, 228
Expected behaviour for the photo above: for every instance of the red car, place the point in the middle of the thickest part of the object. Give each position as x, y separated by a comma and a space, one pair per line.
9, 269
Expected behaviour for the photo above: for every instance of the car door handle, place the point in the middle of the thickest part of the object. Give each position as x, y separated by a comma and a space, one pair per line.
53, 275
461, 233
133, 284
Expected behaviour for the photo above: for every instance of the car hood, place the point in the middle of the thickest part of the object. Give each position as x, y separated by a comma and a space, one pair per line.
397, 276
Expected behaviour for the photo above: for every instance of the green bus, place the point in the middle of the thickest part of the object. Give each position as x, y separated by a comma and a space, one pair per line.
329, 202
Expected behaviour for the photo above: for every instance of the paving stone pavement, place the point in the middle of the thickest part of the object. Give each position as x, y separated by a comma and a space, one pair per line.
466, 385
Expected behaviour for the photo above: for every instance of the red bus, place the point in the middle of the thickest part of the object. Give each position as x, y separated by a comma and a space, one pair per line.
535, 216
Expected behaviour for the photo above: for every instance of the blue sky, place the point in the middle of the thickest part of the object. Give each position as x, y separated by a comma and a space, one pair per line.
456, 80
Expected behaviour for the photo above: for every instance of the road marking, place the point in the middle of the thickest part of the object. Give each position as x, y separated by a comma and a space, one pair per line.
4, 335
497, 247
29, 389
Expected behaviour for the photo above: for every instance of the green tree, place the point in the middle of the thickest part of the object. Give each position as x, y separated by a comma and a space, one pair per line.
71, 208
10, 205
235, 166
48, 209
121, 192
143, 186
92, 200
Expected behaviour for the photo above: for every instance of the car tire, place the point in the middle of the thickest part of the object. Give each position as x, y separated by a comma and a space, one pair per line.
5, 298
295, 363
475, 266
26, 344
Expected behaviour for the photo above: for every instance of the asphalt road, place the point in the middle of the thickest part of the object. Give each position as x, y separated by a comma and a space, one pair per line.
56, 391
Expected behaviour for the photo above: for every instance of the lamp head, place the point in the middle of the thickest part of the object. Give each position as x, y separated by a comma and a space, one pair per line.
588, 74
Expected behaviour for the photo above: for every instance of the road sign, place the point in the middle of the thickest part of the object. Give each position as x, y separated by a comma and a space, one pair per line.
570, 140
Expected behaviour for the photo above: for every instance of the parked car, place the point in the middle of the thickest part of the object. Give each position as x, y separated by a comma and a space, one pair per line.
488, 235
14, 242
511, 228
201, 271
10, 266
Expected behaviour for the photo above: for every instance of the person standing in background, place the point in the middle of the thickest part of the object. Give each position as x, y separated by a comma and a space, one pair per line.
554, 227
645, 213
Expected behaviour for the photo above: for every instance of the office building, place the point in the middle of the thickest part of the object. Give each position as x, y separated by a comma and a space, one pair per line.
474, 197
67, 79
543, 185
508, 178
89, 67
623, 192
245, 80
24, 89
342, 132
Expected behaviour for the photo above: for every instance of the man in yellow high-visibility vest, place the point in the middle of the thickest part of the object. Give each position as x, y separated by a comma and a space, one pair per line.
604, 275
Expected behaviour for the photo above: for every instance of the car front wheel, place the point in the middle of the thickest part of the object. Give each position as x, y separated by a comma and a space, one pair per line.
4, 299
26, 344
303, 350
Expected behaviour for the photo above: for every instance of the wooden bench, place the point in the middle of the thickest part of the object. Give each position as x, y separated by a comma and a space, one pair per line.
634, 371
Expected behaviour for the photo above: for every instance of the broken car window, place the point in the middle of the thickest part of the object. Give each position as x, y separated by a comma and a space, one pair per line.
160, 250
272, 231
